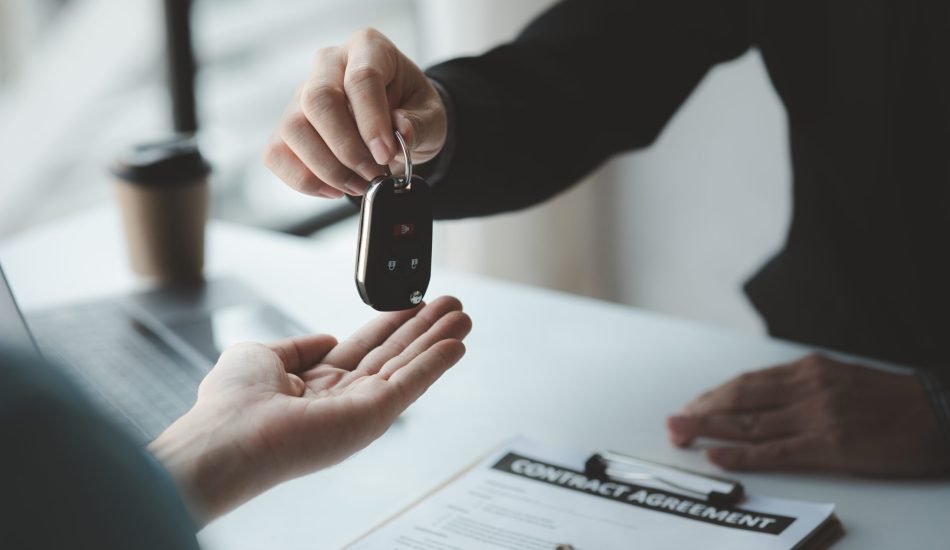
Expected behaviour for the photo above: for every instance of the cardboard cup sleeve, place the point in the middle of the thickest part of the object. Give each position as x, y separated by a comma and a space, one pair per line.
163, 193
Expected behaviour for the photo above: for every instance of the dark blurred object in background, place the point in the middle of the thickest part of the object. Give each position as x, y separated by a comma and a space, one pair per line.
181, 65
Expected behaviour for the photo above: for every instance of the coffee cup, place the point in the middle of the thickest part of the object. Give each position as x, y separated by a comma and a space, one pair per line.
162, 192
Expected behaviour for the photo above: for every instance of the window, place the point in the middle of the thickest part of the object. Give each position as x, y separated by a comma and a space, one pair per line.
83, 79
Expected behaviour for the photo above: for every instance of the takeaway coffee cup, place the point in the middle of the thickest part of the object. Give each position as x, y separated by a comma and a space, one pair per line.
162, 191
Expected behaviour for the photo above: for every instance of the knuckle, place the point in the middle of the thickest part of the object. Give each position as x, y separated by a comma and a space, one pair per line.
817, 371
321, 98
362, 77
322, 55
294, 128
812, 361
367, 35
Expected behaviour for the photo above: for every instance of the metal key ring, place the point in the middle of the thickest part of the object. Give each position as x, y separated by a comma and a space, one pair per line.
407, 179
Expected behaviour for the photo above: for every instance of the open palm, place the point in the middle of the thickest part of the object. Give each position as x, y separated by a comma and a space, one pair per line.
277, 411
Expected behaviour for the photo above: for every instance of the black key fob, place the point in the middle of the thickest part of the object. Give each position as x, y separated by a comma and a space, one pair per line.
394, 250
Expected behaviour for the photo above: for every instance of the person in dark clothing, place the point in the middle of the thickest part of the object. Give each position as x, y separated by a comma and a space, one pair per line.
264, 414
865, 267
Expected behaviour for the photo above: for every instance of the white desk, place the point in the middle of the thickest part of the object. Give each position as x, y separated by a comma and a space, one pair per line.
558, 368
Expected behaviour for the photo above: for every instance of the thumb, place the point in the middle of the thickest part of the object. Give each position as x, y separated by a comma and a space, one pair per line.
296, 386
302, 352
424, 130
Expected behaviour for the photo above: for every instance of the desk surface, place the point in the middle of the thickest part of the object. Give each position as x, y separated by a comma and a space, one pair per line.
558, 368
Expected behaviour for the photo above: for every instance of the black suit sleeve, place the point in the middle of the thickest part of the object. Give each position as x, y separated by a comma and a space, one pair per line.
586, 80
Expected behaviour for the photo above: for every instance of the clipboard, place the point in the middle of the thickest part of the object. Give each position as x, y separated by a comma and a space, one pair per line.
538, 483
625, 468
611, 465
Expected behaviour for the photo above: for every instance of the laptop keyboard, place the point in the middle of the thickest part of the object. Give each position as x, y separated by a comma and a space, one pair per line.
121, 363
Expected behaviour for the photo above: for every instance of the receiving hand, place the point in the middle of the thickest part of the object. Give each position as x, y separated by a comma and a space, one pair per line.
337, 133
818, 414
268, 413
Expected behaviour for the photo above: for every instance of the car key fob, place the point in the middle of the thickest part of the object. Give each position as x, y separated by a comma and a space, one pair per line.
394, 249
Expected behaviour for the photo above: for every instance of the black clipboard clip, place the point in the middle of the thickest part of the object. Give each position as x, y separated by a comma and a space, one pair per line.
625, 468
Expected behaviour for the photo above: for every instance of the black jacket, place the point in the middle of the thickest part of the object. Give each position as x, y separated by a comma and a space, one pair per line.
866, 84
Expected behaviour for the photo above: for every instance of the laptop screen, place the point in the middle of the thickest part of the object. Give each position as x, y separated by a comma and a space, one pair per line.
13, 329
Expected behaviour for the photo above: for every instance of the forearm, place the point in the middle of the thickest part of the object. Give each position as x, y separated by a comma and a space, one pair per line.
583, 82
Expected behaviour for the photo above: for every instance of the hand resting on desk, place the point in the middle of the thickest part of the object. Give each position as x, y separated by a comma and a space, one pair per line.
268, 413
818, 414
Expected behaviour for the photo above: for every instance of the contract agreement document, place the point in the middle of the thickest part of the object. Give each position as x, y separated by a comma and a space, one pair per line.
533, 497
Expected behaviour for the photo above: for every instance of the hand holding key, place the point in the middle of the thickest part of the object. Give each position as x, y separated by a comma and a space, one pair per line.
337, 133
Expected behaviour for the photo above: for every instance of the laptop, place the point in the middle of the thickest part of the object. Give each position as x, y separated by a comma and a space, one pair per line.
141, 356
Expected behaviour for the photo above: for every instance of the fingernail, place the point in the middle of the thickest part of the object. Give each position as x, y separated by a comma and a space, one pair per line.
356, 185
678, 426
369, 169
380, 150
677, 422
718, 456
680, 440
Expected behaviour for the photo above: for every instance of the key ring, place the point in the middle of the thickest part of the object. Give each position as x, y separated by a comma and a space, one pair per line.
407, 179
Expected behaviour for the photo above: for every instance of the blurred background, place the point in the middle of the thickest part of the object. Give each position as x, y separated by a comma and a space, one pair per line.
674, 229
